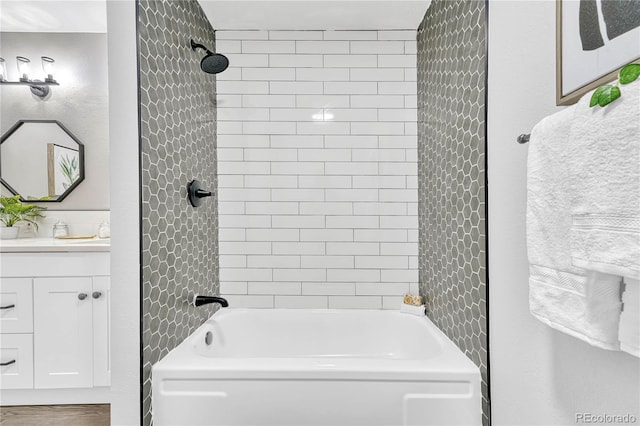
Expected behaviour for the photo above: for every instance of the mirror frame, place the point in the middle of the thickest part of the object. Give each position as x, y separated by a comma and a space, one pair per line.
62, 196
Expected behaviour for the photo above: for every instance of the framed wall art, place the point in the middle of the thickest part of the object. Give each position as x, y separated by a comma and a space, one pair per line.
594, 39
63, 164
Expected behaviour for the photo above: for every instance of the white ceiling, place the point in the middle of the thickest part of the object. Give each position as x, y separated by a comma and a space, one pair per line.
315, 14
90, 15
53, 16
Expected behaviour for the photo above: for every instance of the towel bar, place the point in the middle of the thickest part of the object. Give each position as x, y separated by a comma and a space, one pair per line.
523, 138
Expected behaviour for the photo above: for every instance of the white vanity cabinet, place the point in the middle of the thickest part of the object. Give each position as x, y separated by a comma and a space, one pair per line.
54, 327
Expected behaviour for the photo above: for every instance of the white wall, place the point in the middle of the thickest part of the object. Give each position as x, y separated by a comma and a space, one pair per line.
125, 213
539, 376
317, 213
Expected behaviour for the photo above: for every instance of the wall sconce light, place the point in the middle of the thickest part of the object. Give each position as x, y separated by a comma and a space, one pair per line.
3, 70
38, 87
24, 68
47, 67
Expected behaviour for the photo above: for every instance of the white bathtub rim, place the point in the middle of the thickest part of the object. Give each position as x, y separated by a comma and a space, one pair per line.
450, 362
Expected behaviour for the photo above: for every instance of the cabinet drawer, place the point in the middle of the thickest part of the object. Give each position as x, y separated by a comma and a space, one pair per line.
55, 264
16, 351
16, 305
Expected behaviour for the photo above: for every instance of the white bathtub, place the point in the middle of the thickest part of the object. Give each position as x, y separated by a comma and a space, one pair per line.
316, 367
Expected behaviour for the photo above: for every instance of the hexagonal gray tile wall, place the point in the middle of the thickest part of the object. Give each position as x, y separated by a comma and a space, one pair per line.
178, 134
451, 175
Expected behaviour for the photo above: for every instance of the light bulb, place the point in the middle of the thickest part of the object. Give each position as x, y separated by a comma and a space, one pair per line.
47, 67
24, 68
3, 70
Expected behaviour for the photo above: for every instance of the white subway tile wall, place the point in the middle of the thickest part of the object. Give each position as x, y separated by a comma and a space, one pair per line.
317, 163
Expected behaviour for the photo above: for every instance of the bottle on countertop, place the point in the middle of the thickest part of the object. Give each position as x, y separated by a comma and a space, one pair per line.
104, 230
60, 229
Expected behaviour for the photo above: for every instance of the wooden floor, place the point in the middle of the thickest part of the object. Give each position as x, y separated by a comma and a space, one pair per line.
54, 415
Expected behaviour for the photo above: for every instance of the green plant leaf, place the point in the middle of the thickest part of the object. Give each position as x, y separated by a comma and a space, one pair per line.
629, 73
596, 96
13, 211
69, 169
608, 95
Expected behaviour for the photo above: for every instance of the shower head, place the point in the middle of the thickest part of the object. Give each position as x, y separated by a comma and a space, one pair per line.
212, 63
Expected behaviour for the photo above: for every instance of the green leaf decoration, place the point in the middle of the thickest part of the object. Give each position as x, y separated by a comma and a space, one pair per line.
608, 95
629, 73
596, 96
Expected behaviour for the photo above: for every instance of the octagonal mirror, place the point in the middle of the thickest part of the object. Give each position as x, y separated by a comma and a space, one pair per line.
41, 160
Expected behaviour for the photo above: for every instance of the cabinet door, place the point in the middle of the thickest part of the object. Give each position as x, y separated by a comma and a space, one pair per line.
63, 337
16, 305
101, 331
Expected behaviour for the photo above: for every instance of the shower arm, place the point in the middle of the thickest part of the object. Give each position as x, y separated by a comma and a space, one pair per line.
195, 46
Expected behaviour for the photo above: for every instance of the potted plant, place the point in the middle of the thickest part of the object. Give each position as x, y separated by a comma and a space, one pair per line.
13, 211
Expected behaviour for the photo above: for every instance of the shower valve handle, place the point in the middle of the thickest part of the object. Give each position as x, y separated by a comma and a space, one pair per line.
196, 193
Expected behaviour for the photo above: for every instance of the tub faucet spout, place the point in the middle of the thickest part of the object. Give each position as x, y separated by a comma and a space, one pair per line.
205, 300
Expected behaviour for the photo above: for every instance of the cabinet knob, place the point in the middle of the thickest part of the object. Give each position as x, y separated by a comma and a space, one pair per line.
13, 361
8, 306
82, 296
96, 294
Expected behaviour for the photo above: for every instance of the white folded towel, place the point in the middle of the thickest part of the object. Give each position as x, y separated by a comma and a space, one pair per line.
559, 294
604, 185
629, 331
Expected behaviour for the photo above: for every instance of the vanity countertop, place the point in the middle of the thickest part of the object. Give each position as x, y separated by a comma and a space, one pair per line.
28, 245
